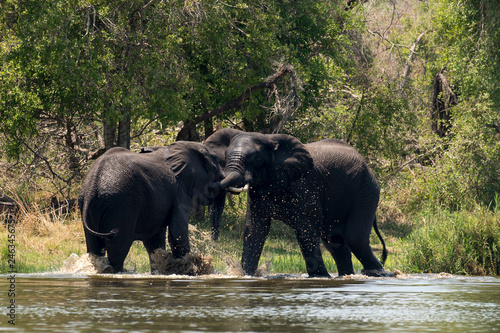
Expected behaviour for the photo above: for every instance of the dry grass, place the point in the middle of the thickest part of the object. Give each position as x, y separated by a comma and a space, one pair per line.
43, 239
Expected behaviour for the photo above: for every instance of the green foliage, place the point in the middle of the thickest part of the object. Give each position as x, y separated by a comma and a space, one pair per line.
76, 71
466, 242
461, 169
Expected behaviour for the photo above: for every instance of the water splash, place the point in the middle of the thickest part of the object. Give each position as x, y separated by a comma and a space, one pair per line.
86, 264
163, 262
193, 263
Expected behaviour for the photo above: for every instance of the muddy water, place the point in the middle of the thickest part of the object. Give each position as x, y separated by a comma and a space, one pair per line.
219, 303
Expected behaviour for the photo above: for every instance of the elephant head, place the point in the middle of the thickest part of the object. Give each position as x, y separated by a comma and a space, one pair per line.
195, 167
198, 182
263, 161
218, 143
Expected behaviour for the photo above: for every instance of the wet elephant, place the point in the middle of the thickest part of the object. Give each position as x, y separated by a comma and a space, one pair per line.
129, 196
218, 143
323, 190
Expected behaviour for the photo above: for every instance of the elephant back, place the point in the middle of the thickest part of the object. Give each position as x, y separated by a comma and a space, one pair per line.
340, 170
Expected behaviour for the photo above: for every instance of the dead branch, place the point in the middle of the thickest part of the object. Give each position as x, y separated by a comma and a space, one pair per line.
406, 71
378, 34
190, 125
143, 129
360, 107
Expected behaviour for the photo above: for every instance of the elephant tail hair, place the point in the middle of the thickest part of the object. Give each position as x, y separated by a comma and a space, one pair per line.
384, 250
105, 235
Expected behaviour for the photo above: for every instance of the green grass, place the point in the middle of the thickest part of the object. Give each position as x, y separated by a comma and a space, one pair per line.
462, 242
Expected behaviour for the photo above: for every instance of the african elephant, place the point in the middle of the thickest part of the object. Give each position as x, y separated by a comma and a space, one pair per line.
323, 190
129, 196
218, 142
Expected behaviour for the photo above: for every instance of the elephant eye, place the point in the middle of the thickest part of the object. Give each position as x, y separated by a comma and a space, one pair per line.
258, 160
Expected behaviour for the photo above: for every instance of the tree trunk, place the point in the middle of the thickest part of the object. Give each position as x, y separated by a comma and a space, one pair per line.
109, 134
124, 131
209, 127
442, 100
117, 136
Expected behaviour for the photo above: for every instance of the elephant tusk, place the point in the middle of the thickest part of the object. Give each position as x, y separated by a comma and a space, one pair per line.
238, 189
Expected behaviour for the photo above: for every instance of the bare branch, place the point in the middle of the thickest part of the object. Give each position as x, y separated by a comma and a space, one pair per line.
406, 72
360, 107
376, 33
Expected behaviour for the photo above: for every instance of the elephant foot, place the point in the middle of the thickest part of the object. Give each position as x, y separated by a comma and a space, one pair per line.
342, 273
327, 275
108, 269
377, 273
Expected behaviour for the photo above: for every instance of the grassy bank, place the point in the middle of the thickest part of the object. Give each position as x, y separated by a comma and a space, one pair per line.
432, 240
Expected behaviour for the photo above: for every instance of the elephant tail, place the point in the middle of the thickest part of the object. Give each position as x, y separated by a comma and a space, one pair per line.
105, 235
384, 250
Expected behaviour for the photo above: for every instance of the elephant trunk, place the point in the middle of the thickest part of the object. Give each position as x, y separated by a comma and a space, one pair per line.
232, 182
235, 174
233, 179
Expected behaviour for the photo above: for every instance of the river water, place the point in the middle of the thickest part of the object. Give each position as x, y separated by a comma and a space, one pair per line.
55, 302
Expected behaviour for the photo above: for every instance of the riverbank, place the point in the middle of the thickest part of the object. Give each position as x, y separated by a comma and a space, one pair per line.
431, 240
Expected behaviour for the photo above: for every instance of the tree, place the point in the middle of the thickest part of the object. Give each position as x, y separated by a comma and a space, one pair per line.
77, 73
85, 76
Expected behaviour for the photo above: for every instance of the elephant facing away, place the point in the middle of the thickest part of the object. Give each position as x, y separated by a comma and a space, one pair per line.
323, 190
129, 196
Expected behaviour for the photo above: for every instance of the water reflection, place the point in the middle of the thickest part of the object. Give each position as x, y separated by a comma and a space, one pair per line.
143, 303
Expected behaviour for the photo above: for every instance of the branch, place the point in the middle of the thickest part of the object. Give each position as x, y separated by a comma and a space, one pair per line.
360, 106
406, 72
45, 160
494, 126
376, 33
191, 124
144, 127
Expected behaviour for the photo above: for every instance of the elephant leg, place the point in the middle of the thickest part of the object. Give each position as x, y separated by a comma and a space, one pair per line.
178, 233
309, 246
95, 245
363, 251
254, 237
340, 253
216, 213
117, 249
158, 241
357, 237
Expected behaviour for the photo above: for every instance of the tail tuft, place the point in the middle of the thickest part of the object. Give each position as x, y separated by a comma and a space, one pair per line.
112, 234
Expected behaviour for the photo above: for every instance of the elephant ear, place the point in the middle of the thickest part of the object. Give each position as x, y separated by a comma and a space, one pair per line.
291, 159
192, 164
219, 141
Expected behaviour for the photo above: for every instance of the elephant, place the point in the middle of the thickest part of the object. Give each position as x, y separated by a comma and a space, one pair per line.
129, 196
218, 142
323, 190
